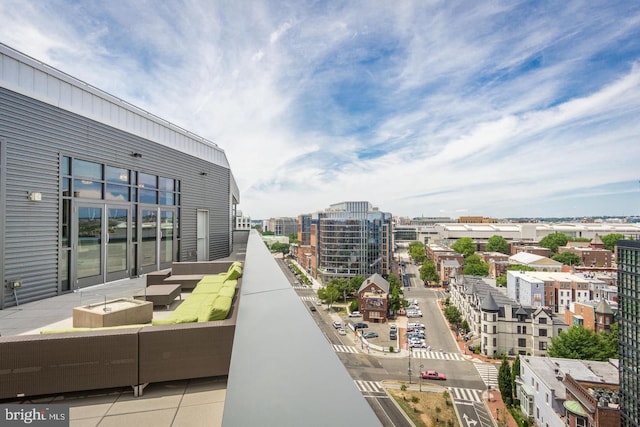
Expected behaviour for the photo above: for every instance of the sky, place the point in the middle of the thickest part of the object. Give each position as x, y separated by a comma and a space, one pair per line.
423, 108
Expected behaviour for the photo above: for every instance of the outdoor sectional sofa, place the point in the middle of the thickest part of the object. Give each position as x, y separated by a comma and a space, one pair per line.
32, 365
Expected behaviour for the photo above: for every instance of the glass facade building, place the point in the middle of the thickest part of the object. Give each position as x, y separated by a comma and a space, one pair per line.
628, 258
352, 239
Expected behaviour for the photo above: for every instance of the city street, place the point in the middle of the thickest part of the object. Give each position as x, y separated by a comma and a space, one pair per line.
372, 370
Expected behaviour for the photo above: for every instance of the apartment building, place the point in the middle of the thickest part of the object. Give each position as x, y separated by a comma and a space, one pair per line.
559, 392
556, 290
589, 256
448, 262
597, 316
499, 324
282, 226
628, 260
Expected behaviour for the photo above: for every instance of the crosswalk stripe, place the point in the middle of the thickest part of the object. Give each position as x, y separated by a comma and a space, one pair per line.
466, 394
488, 372
424, 354
369, 386
344, 348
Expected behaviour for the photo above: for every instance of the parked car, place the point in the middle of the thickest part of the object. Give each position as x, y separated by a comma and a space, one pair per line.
355, 314
342, 331
337, 324
433, 375
360, 325
393, 327
368, 335
393, 335
312, 307
415, 325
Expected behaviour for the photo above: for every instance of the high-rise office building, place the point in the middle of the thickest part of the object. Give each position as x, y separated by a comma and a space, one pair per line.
352, 239
628, 257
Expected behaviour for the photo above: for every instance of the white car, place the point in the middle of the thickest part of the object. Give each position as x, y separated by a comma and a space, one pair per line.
355, 314
337, 324
341, 331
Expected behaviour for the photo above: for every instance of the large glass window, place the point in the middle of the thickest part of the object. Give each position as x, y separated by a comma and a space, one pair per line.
87, 189
82, 168
117, 175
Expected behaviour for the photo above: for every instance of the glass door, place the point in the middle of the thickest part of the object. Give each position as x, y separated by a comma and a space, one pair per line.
118, 226
89, 237
149, 239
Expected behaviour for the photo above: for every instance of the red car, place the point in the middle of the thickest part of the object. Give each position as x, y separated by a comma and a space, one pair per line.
433, 375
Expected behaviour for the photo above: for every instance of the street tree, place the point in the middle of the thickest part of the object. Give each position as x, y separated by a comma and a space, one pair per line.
280, 247
475, 266
497, 243
416, 251
582, 343
553, 241
567, 258
515, 371
329, 294
610, 240
464, 246
428, 272
453, 315
504, 382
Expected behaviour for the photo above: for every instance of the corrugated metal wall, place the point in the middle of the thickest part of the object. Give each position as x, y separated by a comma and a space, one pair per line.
34, 135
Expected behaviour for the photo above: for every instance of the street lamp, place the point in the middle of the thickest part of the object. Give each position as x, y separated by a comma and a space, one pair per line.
409, 370
420, 386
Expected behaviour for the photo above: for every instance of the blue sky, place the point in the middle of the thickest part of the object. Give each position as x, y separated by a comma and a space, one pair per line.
434, 108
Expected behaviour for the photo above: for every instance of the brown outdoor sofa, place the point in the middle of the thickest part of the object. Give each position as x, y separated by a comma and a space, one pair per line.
32, 365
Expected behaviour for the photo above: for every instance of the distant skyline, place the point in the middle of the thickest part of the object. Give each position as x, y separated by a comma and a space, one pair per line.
497, 109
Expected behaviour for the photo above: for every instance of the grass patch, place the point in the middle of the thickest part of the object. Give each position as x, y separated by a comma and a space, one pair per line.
426, 409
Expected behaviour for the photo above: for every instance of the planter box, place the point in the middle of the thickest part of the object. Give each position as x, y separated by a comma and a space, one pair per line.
117, 312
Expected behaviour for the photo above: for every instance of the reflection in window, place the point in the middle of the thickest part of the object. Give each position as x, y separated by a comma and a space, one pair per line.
117, 175
166, 230
87, 169
166, 184
166, 198
117, 192
148, 196
147, 181
66, 187
149, 237
87, 189
65, 166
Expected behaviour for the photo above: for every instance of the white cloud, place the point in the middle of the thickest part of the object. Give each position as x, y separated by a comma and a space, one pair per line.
418, 107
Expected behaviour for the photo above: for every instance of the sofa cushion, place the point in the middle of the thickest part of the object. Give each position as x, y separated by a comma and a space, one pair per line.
174, 320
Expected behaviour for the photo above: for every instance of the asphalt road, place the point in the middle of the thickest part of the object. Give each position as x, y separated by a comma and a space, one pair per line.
369, 369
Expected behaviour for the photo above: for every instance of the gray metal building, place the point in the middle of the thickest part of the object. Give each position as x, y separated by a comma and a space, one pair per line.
93, 189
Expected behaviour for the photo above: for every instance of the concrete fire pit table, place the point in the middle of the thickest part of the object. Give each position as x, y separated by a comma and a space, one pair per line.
117, 312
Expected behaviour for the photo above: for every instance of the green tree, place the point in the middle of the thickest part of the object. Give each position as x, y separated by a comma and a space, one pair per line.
609, 342
268, 233
280, 247
475, 266
504, 382
464, 246
579, 343
395, 288
293, 237
501, 281
428, 272
515, 371
497, 244
610, 240
567, 258
329, 294
416, 251
342, 285
553, 241
453, 315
